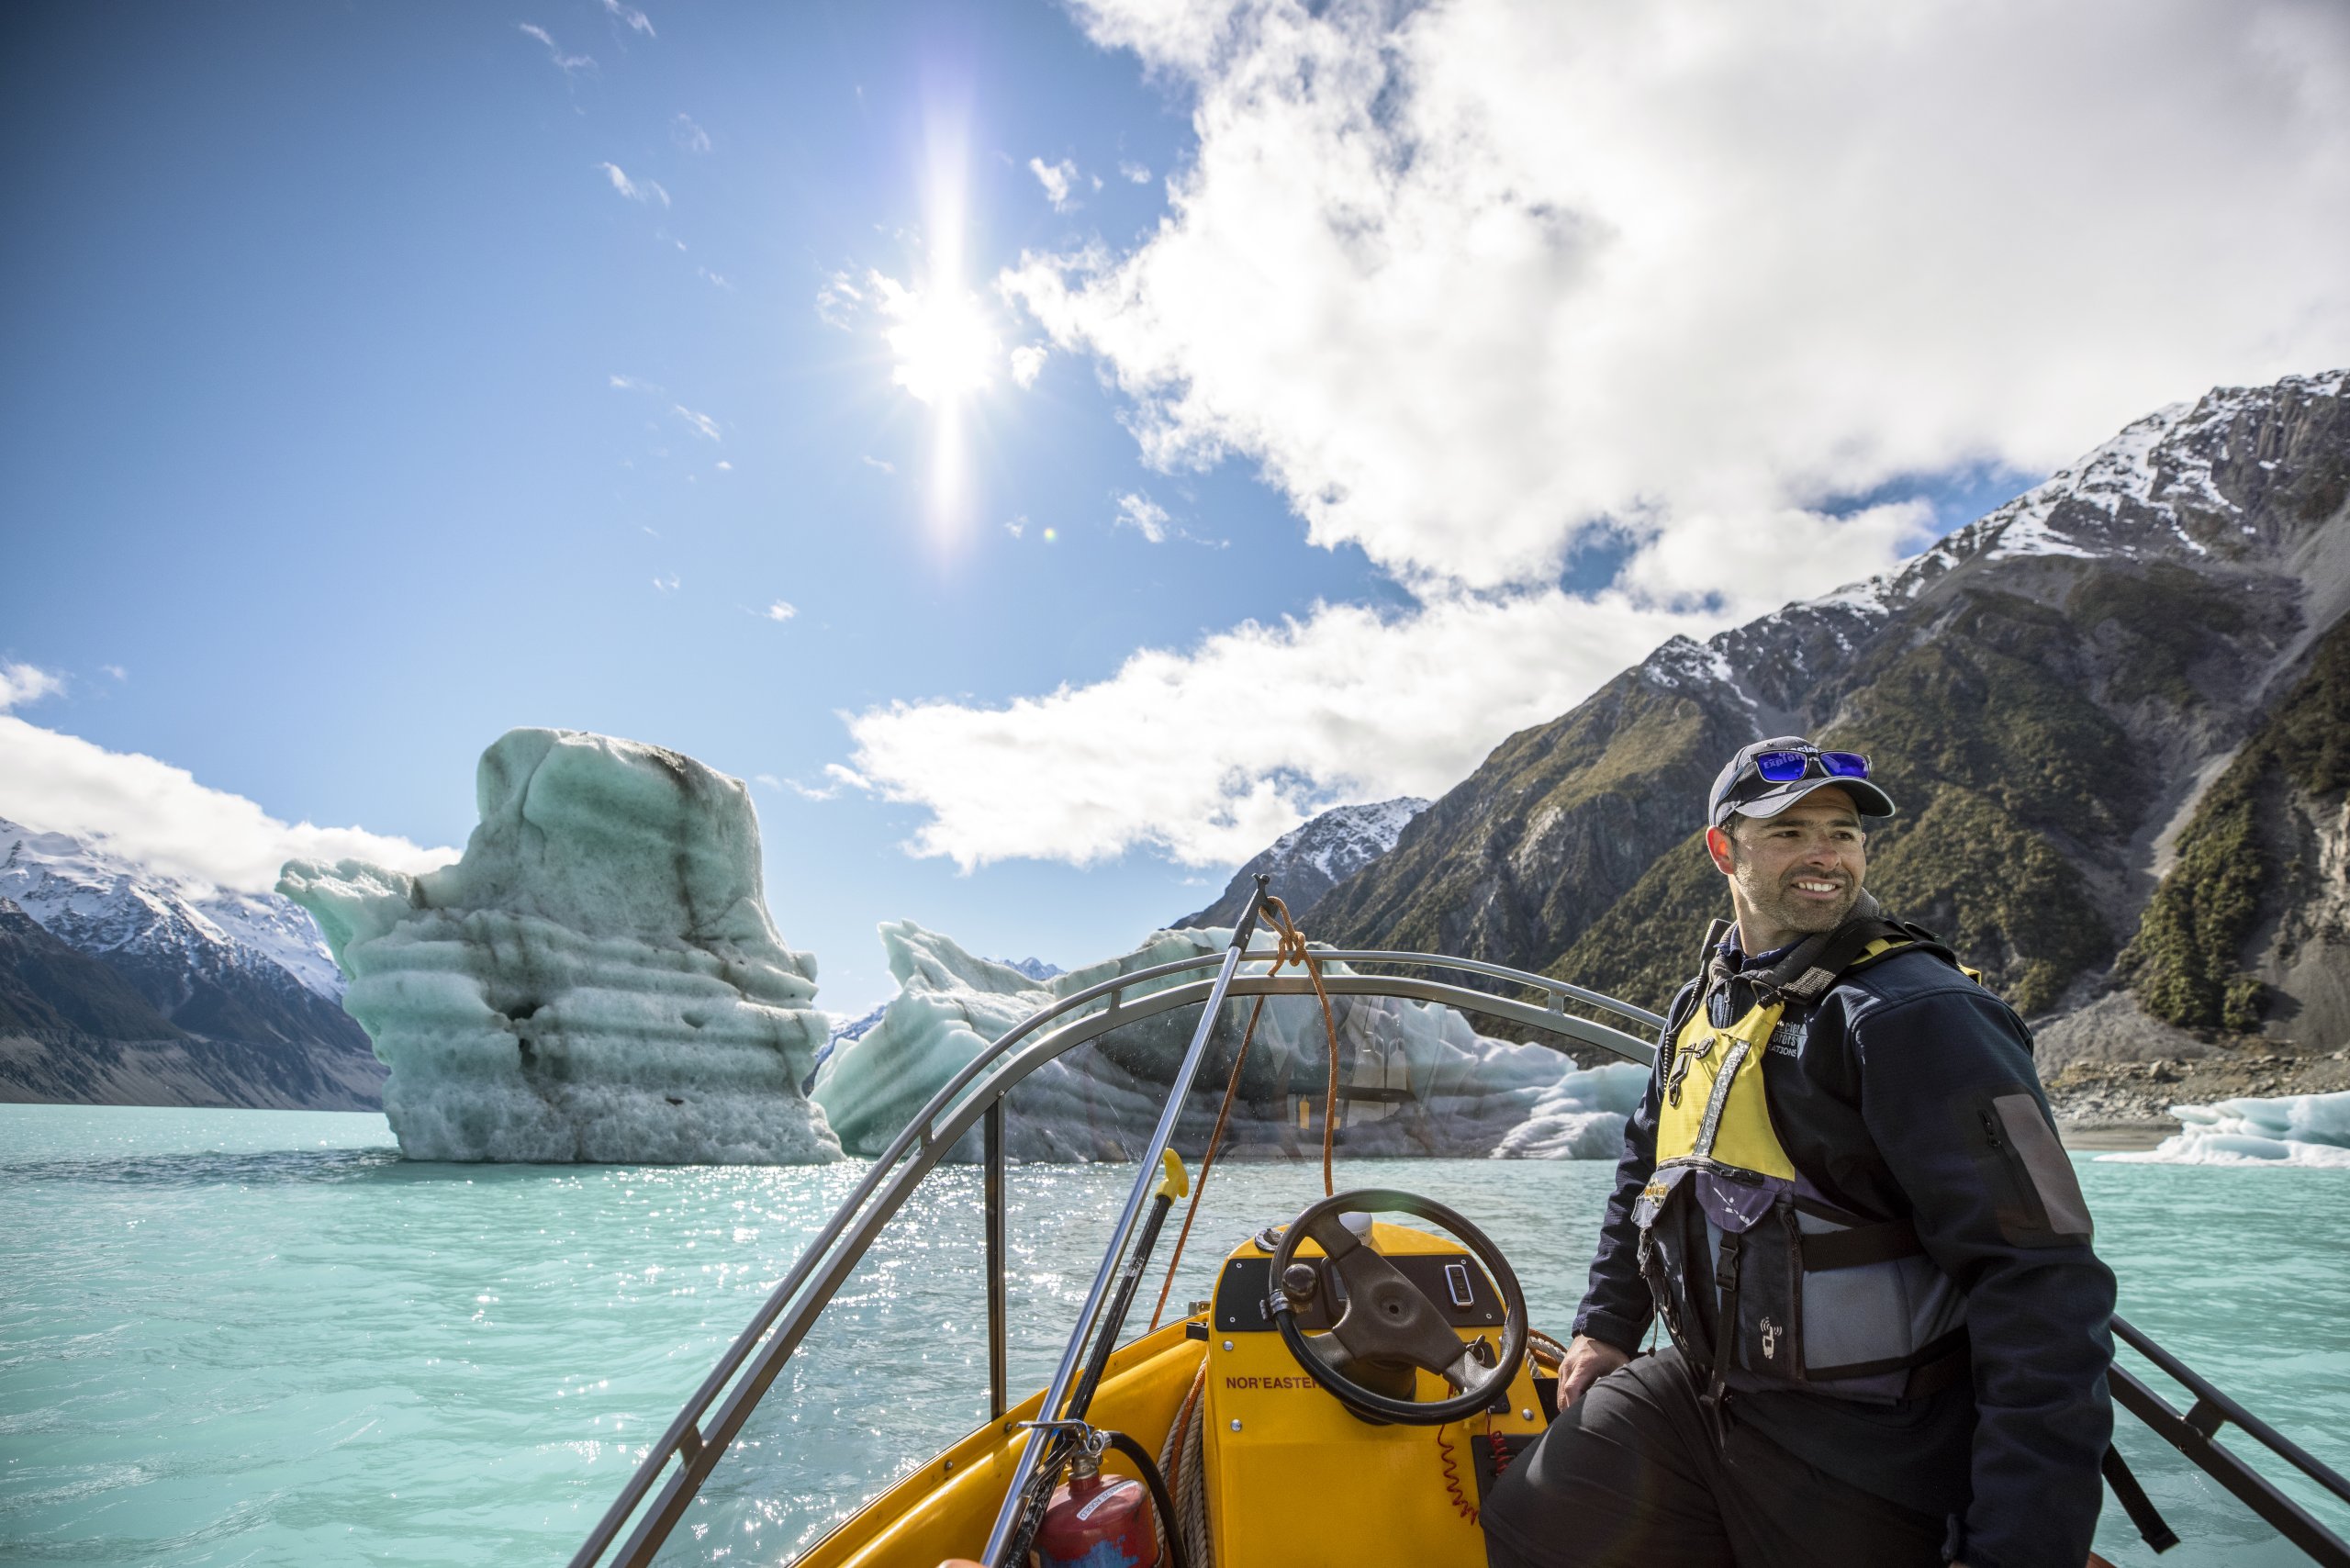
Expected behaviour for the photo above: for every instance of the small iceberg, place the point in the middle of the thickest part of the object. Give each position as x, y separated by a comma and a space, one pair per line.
1417, 1078
2291, 1129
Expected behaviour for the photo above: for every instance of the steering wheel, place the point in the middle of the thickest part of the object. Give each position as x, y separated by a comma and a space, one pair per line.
1388, 1319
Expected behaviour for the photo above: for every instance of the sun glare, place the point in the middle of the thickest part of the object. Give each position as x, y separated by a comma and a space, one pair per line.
945, 347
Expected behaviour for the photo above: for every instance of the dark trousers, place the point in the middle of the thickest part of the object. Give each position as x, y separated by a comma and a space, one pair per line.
1632, 1474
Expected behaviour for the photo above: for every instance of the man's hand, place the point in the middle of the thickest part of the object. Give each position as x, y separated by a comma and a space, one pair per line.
1588, 1361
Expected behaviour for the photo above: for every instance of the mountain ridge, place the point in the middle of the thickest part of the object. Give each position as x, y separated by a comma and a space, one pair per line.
2049, 692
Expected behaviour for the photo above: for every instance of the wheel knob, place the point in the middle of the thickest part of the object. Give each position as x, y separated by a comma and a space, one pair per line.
1299, 1282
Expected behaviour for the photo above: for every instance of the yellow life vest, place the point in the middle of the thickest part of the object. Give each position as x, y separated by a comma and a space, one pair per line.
1866, 1317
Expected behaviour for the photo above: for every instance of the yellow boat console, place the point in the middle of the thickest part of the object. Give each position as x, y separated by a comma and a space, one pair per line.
1284, 1474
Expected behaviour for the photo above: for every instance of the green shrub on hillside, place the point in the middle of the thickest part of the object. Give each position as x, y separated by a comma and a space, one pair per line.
1646, 943
2185, 962
2164, 620
1999, 893
1990, 702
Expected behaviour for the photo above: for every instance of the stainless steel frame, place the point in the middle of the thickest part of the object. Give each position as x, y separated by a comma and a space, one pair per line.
715, 1413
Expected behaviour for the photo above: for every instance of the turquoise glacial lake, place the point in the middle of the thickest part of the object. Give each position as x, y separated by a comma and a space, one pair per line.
260, 1338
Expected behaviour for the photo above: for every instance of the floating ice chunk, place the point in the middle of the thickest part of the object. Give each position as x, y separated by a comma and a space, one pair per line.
596, 980
2292, 1129
1416, 1078
1582, 1116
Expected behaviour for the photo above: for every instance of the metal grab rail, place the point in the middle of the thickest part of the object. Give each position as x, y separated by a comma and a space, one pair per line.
2195, 1434
929, 1140
1008, 1517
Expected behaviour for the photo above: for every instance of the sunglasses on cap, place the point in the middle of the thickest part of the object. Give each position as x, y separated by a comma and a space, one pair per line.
1791, 762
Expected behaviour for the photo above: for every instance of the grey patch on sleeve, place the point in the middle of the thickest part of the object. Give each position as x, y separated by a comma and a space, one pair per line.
2043, 1159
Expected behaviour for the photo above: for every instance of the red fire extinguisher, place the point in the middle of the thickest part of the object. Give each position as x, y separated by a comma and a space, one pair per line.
1092, 1522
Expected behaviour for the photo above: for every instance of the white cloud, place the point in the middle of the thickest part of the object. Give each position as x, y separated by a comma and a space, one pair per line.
569, 64
688, 135
1017, 526
1027, 364
1476, 284
701, 422
631, 15
665, 585
158, 816
1138, 173
872, 462
838, 300
724, 466
22, 683
1143, 515
1467, 281
841, 779
650, 189
115, 670
778, 610
1209, 754
1056, 178
770, 780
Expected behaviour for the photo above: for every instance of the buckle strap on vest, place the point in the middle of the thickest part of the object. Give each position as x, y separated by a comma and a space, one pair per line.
1714, 1401
1931, 1367
1879, 1243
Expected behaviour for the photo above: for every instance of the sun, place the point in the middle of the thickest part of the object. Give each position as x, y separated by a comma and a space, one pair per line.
947, 349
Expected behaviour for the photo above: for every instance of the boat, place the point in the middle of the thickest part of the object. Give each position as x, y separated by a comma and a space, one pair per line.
1349, 1389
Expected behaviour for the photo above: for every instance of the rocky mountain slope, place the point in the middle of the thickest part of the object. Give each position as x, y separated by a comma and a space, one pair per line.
237, 994
1310, 859
2119, 682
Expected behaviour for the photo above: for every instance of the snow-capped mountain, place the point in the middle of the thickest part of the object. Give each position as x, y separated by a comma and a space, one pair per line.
104, 904
1313, 857
2057, 695
247, 971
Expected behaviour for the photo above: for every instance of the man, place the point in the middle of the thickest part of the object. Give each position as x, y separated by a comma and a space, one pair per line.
1843, 1175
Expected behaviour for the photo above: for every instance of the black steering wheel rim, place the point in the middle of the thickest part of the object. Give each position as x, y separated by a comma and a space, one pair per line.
1477, 1395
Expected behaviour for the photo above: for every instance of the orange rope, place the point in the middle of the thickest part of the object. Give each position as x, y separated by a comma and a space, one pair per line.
1207, 1162
1291, 949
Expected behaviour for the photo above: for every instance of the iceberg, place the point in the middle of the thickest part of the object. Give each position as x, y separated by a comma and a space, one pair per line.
2289, 1129
596, 980
1417, 1078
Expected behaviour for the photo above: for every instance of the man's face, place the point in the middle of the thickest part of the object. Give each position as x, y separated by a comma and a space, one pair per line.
1795, 873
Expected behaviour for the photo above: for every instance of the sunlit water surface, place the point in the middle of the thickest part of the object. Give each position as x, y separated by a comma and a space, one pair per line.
249, 1336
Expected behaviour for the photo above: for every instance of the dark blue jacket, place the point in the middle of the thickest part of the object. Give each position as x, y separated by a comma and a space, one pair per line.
1887, 1096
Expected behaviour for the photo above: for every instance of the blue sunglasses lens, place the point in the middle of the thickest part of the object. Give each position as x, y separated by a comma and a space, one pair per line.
1844, 764
1781, 766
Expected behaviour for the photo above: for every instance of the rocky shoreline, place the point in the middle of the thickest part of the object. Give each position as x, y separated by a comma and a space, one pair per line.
2126, 1105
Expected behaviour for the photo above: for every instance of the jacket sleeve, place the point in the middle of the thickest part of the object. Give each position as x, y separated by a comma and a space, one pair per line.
1953, 1104
1616, 1307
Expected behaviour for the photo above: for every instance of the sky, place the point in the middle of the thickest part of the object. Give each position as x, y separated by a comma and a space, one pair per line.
1047, 451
